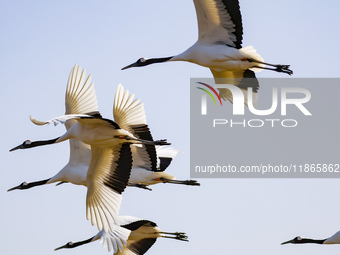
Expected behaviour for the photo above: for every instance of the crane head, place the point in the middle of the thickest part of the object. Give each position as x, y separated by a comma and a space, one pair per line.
139, 62
21, 186
24, 145
295, 240
68, 245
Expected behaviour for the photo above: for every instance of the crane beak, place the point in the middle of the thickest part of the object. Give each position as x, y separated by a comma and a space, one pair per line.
290, 241
129, 66
16, 187
18, 147
61, 247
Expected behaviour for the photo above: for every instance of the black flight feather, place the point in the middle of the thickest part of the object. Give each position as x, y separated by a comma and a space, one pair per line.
119, 177
233, 8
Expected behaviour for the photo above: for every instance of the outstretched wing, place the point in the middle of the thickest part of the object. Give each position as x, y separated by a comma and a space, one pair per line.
115, 240
135, 246
107, 177
219, 21
80, 97
165, 154
129, 114
80, 100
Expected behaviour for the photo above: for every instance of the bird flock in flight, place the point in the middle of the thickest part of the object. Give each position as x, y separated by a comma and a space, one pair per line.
106, 156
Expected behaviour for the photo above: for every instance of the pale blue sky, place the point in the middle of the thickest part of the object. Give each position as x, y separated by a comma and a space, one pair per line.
42, 40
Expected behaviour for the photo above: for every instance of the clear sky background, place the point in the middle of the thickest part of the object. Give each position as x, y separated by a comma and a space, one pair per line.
42, 40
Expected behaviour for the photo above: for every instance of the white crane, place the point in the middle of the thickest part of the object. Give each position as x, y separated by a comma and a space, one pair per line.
334, 239
111, 156
219, 48
82, 100
142, 235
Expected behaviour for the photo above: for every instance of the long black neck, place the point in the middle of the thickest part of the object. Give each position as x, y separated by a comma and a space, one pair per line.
33, 184
156, 60
40, 143
81, 242
307, 240
28, 185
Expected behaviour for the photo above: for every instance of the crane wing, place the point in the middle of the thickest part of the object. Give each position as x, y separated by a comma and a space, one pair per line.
115, 240
165, 154
107, 177
80, 98
219, 21
136, 246
119, 238
129, 114
242, 79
